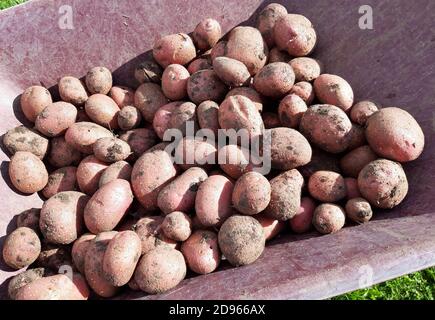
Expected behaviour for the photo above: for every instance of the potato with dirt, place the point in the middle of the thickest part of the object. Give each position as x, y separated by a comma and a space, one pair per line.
290, 110
72, 90
82, 136
333, 89
139, 140
177, 115
249, 93
79, 249
353, 162
195, 152
274, 80
276, 55
266, 22
62, 179
205, 85
148, 98
117, 170
27, 172
21, 248
352, 188
304, 90
306, 69
207, 115
174, 82
102, 110
236, 161
33, 100
199, 64
29, 218
129, 118
111, 149
123, 96
22, 279
149, 230
232, 72
327, 186
89, 173
23, 139
174, 48
251, 193
358, 210
361, 111
56, 118
328, 218
206, 34
99, 80
177, 226
61, 154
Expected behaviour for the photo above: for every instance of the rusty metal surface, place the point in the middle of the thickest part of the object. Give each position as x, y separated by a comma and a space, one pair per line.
392, 64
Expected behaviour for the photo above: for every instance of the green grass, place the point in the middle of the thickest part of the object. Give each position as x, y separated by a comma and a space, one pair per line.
414, 286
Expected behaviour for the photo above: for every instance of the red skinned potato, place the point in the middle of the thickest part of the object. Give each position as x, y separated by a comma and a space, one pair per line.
201, 251
302, 221
213, 200
332, 89
117, 170
327, 186
27, 172
295, 34
306, 69
206, 34
61, 220
241, 240
111, 149
129, 118
271, 227
62, 179
205, 85
274, 80
82, 136
139, 140
249, 93
394, 134
62, 154
102, 110
21, 248
218, 50
361, 111
99, 80
276, 55
357, 137
151, 234
251, 193
174, 48
179, 194
352, 188
160, 270
148, 71
174, 82
22, 279
199, 64
56, 118
79, 249
194, 152
285, 197
207, 114
383, 183
236, 161
271, 120
232, 72
151, 172
328, 218
177, 226
23, 139
353, 162
326, 126
88, 174
266, 21
291, 110
123, 96
33, 100
120, 258
30, 219
108, 206
148, 98
304, 90
358, 210
72, 90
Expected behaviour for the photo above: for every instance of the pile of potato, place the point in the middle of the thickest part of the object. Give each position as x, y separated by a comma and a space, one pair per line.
121, 213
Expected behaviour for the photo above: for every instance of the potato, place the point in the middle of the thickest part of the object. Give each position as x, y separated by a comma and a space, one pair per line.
353, 162
123, 96
160, 270
327, 186
266, 21
358, 210
177, 226
361, 111
321, 160
27, 172
117, 170
174, 82
271, 227
79, 249
61, 220
133, 285
62, 154
285, 197
326, 126
108, 206
194, 152
301, 222
232, 72
139, 140
56, 118
199, 64
276, 55
241, 240
207, 115
30, 219
251, 193
148, 71
206, 34
21, 248
352, 188
82, 136
205, 85
102, 110
111, 149
218, 50
383, 183
295, 34
271, 120
94, 265
213, 200
236, 161
274, 80
56, 287
201, 251
394, 134
174, 48
306, 69
23, 279
150, 174
289, 149
33, 100
332, 89
291, 110
174, 115
129, 118
179, 194
62, 179
357, 137
246, 45
72, 90
249, 93
304, 90
99, 80
151, 235
53, 256
148, 98
328, 218
121, 257
89, 173
23, 139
